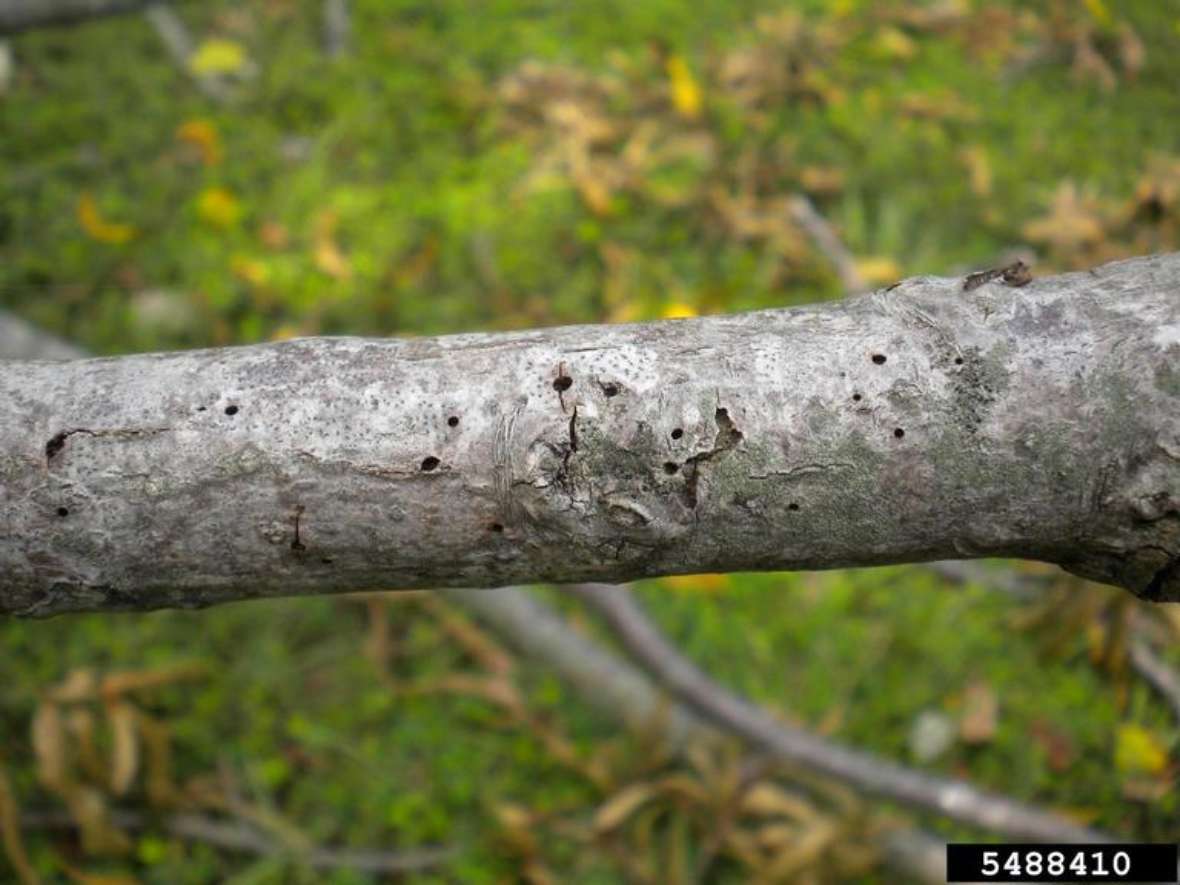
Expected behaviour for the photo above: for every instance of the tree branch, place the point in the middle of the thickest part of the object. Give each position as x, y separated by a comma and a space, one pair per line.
915, 423
955, 799
24, 15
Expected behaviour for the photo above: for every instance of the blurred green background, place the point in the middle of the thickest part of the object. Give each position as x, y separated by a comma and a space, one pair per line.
456, 166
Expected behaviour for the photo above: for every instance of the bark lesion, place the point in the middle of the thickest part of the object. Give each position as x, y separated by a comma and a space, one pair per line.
728, 436
57, 442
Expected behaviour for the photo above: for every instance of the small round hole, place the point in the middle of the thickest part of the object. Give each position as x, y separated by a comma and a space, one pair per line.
63, 511
677, 433
453, 421
429, 463
200, 408
326, 560
792, 506
231, 410
856, 397
562, 382
879, 358
610, 390
496, 527
898, 433
670, 467
958, 361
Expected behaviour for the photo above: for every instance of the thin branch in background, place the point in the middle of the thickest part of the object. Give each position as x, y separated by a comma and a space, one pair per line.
337, 27
804, 214
1156, 671
616, 689
1026, 588
233, 836
174, 34
24, 15
955, 799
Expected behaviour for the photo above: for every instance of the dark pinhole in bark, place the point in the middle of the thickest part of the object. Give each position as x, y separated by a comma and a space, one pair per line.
453, 421
200, 408
63, 511
677, 433
898, 433
231, 410
879, 358
856, 397
670, 467
429, 463
326, 560
56, 443
610, 390
958, 361
495, 527
562, 383
792, 506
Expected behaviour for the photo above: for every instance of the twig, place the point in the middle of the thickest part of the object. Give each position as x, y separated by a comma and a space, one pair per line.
179, 43
1156, 670
337, 27
24, 15
955, 799
239, 837
805, 215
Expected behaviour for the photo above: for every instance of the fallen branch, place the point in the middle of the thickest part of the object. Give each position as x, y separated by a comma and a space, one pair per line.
954, 799
919, 422
608, 684
1157, 672
177, 40
234, 836
805, 215
24, 15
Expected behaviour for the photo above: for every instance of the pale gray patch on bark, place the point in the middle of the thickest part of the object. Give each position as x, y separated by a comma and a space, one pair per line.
915, 423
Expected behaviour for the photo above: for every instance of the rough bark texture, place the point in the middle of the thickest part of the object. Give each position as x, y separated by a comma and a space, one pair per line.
918, 422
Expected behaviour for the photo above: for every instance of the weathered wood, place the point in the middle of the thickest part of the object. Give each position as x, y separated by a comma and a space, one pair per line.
919, 422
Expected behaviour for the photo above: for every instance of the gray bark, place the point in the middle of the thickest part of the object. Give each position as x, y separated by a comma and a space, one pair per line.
914, 423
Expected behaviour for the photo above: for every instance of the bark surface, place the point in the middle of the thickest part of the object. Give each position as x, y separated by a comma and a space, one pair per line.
914, 423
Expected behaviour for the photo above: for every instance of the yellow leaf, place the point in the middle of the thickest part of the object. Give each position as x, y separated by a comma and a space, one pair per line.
49, 745
10, 835
327, 254
1139, 751
79, 685
878, 270
892, 43
250, 270
765, 799
686, 92
124, 746
217, 207
621, 806
98, 227
202, 135
1098, 12
979, 169
88, 807
678, 311
217, 56
708, 583
980, 711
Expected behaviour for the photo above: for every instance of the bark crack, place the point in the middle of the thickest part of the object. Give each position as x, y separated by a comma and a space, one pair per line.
728, 436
